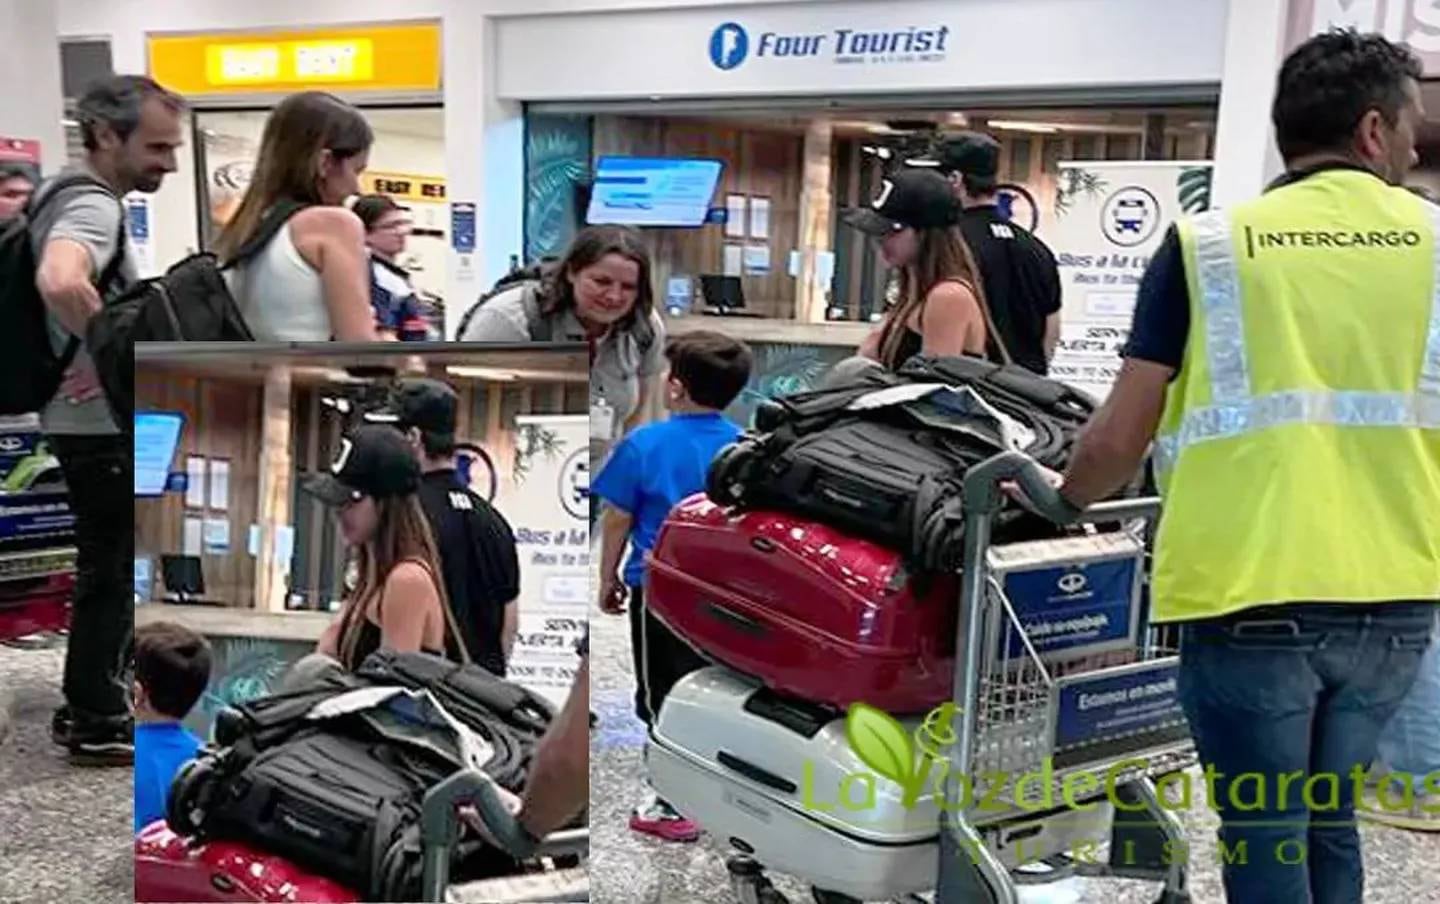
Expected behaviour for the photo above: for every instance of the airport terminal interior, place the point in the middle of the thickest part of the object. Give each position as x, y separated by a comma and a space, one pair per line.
739, 145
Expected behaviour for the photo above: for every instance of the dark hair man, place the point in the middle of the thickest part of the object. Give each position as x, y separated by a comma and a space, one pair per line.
1294, 398
17, 184
131, 129
477, 546
1022, 282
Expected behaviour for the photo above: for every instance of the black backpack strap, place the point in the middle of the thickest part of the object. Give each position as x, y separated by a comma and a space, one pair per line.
275, 218
536, 323
56, 188
62, 184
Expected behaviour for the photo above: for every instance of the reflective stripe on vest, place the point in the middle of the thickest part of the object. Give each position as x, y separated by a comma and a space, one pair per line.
1234, 411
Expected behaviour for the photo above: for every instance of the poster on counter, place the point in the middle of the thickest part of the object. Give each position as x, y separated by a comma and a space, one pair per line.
1109, 219
546, 499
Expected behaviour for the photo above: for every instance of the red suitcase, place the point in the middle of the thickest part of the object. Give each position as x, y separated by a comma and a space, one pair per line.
169, 867
31, 605
804, 608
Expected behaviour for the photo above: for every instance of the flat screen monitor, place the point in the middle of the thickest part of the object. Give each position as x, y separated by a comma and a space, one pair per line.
652, 191
723, 292
183, 576
157, 435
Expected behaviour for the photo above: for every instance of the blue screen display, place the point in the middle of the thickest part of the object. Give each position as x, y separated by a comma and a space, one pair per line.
157, 434
652, 191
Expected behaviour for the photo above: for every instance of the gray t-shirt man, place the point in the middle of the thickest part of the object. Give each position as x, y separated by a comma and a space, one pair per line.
91, 217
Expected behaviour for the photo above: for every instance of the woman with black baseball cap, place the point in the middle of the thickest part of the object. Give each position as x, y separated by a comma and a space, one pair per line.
941, 310
399, 600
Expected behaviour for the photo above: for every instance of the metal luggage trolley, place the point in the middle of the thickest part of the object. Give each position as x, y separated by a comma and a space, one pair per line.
1106, 710
1104, 705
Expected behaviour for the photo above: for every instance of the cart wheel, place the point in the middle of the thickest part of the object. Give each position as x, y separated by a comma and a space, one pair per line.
822, 896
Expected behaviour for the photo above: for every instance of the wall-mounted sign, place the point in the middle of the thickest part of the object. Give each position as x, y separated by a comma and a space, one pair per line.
385, 58
404, 187
1416, 24
462, 227
19, 150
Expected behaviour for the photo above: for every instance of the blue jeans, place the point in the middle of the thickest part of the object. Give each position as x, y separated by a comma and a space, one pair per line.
1411, 741
1289, 693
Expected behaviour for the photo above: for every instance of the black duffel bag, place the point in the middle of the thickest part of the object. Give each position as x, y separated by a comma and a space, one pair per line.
343, 796
893, 474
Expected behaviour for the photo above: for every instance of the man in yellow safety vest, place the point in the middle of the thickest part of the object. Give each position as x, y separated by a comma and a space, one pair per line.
1285, 360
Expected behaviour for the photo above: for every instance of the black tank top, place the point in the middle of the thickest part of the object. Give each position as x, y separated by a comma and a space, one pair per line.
912, 342
370, 635
369, 642
910, 345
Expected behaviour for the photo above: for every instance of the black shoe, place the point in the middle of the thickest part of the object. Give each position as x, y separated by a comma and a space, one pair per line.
61, 725
103, 743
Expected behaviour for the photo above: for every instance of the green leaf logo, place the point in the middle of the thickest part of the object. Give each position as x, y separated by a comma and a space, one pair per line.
885, 746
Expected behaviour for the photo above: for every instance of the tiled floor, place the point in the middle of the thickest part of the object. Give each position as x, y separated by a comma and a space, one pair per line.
65, 832
626, 868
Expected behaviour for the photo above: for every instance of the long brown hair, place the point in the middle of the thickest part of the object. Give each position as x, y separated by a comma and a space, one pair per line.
297, 131
403, 533
942, 255
590, 245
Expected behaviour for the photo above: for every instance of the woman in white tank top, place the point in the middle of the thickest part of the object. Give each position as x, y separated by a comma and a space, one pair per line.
310, 282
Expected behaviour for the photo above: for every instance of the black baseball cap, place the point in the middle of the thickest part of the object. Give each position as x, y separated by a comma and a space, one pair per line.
970, 154
374, 460
428, 405
918, 198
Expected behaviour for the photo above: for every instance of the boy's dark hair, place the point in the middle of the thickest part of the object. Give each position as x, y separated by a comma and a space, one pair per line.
712, 367
172, 663
116, 102
370, 208
1330, 82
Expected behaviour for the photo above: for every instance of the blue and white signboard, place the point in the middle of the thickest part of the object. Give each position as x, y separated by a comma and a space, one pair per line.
1137, 706
462, 226
1073, 597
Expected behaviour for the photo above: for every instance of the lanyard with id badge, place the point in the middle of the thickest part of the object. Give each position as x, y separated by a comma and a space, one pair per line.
602, 420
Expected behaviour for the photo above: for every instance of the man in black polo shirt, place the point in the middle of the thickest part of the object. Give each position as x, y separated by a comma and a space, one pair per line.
477, 546
1021, 281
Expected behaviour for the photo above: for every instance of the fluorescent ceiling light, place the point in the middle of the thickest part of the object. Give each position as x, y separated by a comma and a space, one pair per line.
959, 119
489, 374
922, 162
879, 129
511, 374
1014, 125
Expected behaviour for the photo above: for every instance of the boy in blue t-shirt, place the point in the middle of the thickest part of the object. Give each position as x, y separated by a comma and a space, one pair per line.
172, 669
648, 472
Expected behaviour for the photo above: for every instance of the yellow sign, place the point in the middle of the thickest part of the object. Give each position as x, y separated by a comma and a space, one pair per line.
397, 58
404, 187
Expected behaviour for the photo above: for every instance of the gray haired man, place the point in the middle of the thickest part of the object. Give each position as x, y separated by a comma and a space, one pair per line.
131, 128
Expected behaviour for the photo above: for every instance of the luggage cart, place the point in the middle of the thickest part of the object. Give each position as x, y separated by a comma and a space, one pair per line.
1015, 711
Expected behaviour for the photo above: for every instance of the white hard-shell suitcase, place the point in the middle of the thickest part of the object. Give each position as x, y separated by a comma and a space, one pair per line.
764, 774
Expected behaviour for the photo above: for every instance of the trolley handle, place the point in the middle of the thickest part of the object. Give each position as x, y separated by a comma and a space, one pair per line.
983, 494
439, 829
